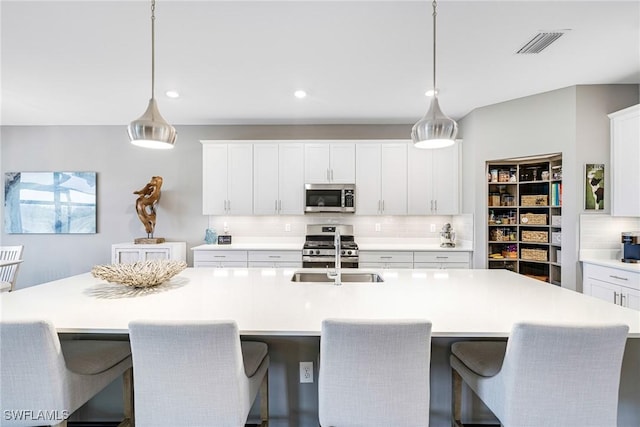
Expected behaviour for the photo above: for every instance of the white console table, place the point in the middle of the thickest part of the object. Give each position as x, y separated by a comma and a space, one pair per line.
131, 252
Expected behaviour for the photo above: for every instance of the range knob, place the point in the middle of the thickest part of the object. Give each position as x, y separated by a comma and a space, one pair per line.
342, 252
348, 252
317, 251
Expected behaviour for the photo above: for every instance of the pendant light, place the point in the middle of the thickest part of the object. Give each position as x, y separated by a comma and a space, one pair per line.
151, 130
434, 130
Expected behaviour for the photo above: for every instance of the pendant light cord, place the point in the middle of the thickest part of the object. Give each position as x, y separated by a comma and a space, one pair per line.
435, 90
153, 49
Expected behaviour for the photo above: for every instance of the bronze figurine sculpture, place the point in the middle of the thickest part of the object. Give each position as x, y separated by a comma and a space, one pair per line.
146, 208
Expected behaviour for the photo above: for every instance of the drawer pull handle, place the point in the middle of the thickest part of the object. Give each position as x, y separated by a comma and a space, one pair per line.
219, 256
615, 298
618, 277
274, 256
386, 257
622, 299
442, 257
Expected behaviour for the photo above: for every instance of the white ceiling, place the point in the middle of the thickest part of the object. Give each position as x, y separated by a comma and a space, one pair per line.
239, 62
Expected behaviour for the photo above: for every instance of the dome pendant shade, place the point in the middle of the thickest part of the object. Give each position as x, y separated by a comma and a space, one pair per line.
434, 130
151, 130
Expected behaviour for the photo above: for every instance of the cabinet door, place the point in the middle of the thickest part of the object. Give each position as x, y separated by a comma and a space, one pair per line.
265, 179
214, 179
625, 153
156, 254
419, 185
393, 181
445, 180
240, 179
368, 175
316, 163
631, 298
291, 179
433, 181
343, 163
126, 256
603, 290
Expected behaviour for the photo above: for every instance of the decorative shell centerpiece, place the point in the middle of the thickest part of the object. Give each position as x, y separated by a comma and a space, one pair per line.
142, 274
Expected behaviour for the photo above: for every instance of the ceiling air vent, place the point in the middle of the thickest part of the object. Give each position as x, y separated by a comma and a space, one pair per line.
540, 41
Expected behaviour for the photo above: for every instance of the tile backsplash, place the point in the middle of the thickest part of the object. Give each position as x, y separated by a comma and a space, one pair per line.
364, 226
603, 231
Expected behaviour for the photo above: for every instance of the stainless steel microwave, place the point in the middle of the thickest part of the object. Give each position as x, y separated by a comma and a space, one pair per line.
330, 197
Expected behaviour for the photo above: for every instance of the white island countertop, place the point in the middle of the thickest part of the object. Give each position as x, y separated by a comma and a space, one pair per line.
460, 303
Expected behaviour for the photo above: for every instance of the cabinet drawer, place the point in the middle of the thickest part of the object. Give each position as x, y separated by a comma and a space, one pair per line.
275, 256
441, 265
393, 265
385, 257
220, 264
275, 264
441, 257
219, 256
625, 278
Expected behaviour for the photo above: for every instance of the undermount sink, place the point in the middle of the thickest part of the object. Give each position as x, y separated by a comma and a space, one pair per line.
346, 277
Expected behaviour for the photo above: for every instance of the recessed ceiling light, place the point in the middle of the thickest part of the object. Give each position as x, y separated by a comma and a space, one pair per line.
431, 92
172, 94
300, 94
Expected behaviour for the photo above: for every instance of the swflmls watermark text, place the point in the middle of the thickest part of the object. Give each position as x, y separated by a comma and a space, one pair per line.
35, 415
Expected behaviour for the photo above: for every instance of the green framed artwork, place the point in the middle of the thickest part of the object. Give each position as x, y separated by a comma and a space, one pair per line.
594, 187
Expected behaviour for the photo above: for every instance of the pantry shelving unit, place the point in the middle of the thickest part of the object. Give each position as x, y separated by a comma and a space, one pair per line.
524, 216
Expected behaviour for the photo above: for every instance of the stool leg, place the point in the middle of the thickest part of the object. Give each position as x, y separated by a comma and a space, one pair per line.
127, 397
456, 399
264, 400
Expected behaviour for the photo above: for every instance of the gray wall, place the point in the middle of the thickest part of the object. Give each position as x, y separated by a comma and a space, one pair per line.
572, 121
123, 168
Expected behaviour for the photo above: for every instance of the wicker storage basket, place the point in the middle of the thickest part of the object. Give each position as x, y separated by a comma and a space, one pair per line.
533, 219
535, 200
535, 236
533, 254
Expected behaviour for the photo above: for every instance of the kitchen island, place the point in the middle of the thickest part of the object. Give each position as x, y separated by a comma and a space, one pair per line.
462, 304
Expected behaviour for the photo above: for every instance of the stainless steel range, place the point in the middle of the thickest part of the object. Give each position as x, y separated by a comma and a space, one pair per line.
319, 249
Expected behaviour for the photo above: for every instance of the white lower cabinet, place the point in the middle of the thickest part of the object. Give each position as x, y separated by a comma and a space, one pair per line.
385, 259
219, 258
275, 259
130, 252
441, 259
617, 286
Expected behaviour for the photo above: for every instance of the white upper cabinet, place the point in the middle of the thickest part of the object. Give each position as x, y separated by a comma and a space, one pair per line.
625, 156
326, 161
278, 179
227, 178
381, 178
433, 182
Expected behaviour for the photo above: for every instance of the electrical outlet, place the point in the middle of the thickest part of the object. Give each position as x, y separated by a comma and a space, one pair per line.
306, 372
377, 226
432, 228
287, 227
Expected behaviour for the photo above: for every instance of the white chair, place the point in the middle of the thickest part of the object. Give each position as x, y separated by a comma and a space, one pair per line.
44, 380
10, 259
374, 373
545, 375
196, 374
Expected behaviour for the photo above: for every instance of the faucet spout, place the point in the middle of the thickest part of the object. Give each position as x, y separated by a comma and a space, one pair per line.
337, 273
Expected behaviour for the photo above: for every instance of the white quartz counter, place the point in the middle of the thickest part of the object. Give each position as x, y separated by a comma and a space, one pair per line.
460, 303
364, 244
607, 258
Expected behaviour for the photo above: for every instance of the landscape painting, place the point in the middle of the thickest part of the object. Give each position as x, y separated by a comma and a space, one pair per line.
594, 187
50, 202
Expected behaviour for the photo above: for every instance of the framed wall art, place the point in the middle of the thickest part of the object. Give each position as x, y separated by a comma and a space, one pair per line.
594, 186
50, 202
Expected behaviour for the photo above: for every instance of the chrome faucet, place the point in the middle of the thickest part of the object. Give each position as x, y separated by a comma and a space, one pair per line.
337, 273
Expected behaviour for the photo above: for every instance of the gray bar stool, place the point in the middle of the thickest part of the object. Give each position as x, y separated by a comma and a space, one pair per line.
374, 373
43, 380
194, 373
545, 375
